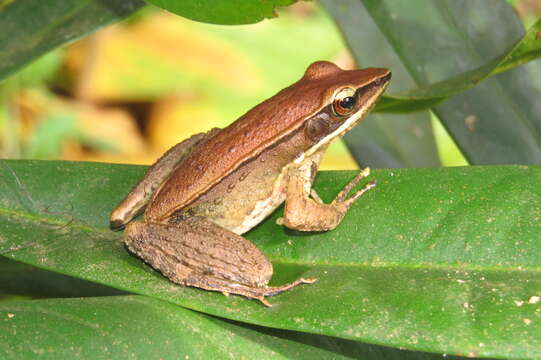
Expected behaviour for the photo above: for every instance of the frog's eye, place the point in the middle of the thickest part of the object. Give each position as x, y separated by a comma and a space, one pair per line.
344, 101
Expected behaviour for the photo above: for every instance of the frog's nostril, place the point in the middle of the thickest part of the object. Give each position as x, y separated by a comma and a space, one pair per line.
384, 79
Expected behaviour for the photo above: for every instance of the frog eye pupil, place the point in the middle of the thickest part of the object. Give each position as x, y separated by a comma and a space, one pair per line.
347, 102
343, 106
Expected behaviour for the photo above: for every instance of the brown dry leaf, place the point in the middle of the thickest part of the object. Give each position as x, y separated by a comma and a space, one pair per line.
161, 54
182, 43
31, 106
109, 125
112, 125
175, 119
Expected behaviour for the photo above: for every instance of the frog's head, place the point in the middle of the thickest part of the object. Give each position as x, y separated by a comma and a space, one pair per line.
345, 97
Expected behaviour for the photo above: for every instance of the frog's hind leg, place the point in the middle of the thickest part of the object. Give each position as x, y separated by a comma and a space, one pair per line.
135, 202
196, 252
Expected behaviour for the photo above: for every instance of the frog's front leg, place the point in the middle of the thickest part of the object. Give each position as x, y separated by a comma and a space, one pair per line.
304, 210
196, 252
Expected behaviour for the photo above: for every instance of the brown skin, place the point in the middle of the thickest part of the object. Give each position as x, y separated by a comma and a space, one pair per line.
211, 188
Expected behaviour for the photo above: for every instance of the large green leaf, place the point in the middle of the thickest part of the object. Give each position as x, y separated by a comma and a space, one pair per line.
226, 12
21, 279
30, 28
383, 140
394, 141
164, 330
528, 48
443, 260
139, 327
449, 46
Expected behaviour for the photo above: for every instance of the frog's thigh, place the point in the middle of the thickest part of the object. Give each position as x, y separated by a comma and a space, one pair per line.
197, 252
135, 202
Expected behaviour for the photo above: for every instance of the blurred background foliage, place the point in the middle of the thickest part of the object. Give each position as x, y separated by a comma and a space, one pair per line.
132, 90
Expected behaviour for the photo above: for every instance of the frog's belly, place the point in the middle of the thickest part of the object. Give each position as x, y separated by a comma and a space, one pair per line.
249, 194
253, 191
263, 207
242, 200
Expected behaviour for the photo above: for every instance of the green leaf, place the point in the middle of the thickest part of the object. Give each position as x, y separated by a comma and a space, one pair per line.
226, 12
119, 317
441, 260
34, 74
526, 49
34, 26
441, 42
383, 140
122, 327
21, 279
394, 141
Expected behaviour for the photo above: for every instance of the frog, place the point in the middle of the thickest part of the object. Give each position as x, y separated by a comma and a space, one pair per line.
204, 193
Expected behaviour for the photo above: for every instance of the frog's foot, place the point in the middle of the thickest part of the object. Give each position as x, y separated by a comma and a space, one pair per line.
274, 290
304, 210
253, 292
341, 197
196, 252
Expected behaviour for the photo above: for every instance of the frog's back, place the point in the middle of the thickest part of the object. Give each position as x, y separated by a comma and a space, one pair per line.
246, 138
250, 193
217, 158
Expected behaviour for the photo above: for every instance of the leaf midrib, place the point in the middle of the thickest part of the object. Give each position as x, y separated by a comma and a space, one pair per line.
52, 221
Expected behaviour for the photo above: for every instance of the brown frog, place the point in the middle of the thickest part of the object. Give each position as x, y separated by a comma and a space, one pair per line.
206, 191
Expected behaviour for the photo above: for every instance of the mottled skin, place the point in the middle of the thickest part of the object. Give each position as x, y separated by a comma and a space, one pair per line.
206, 191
